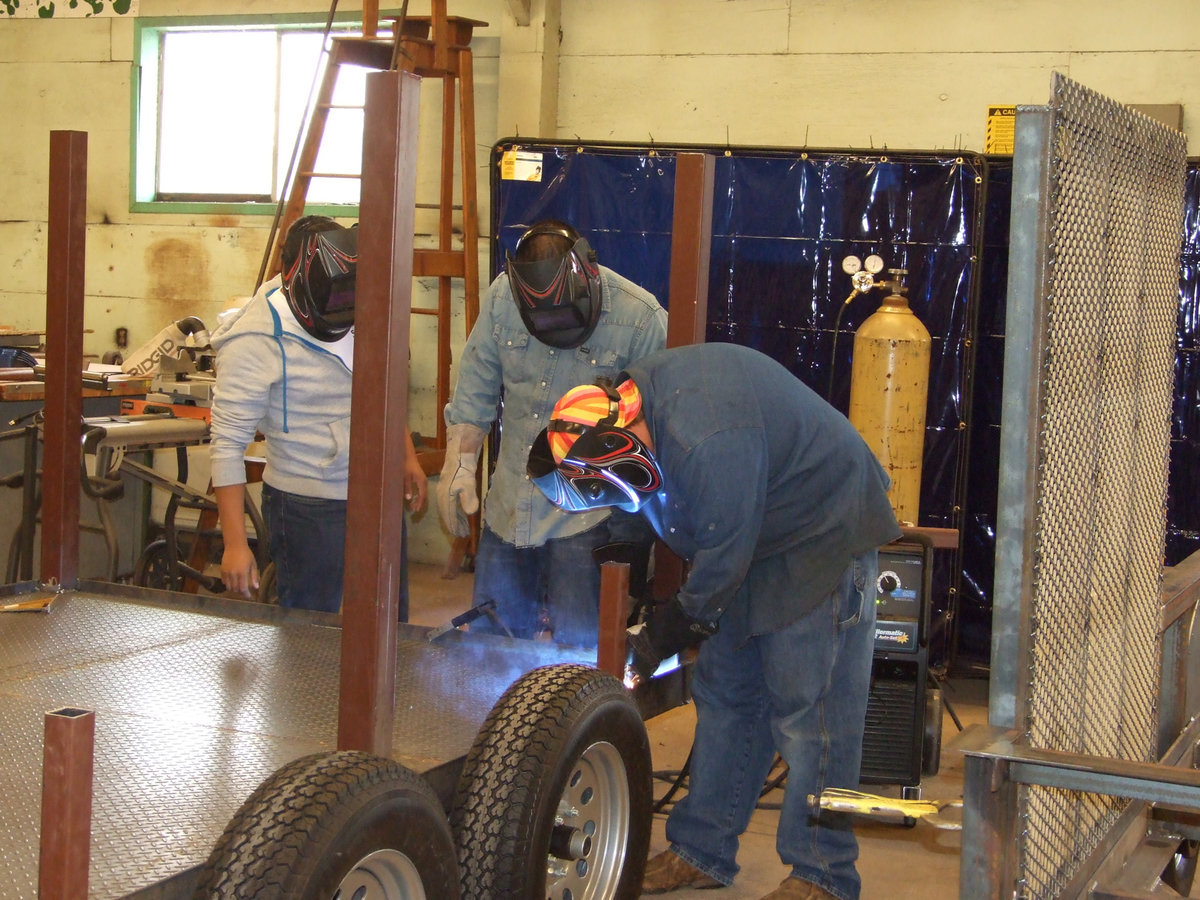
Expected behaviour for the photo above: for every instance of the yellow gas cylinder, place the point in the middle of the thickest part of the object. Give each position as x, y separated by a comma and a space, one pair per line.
889, 384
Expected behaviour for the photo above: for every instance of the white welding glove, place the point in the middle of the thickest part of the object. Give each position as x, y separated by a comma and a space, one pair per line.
457, 496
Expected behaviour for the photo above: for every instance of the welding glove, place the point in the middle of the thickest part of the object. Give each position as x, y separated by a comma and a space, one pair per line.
668, 631
457, 495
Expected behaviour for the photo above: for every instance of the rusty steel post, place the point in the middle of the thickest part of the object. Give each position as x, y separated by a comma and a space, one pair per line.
66, 804
691, 242
67, 232
379, 400
614, 600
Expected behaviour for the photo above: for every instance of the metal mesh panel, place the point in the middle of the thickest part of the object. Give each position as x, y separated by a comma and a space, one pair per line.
1105, 369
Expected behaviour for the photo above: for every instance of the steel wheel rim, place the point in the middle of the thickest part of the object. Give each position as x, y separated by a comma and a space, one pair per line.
596, 802
382, 875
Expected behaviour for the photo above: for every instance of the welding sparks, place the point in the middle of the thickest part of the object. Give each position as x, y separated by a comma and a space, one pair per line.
632, 679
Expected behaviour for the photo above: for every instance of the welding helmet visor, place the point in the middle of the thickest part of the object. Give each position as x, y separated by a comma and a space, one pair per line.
318, 281
606, 467
559, 297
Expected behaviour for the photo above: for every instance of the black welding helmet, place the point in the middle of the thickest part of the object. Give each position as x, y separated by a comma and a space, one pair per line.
555, 282
587, 459
320, 260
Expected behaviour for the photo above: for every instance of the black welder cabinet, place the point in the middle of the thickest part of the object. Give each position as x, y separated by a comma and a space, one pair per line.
902, 739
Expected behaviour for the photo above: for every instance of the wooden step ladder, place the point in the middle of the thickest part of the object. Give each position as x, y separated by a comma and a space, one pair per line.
434, 46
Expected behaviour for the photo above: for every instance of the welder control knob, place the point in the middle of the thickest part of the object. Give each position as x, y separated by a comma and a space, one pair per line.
887, 582
851, 265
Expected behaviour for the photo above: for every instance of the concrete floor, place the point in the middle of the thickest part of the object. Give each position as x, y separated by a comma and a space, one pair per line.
896, 862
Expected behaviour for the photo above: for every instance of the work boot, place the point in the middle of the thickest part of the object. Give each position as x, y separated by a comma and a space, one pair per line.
799, 889
669, 872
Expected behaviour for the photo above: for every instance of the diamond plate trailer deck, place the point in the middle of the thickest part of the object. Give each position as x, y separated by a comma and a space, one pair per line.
197, 700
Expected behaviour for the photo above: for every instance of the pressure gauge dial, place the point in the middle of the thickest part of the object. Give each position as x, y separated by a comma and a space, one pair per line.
874, 264
851, 265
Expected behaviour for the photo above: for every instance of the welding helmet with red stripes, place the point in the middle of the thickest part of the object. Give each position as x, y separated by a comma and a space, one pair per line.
320, 262
555, 282
586, 459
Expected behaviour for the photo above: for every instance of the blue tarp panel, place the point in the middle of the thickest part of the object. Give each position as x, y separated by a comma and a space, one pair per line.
1183, 510
783, 221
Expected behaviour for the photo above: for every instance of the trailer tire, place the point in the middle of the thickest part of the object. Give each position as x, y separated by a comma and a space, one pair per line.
554, 799
341, 823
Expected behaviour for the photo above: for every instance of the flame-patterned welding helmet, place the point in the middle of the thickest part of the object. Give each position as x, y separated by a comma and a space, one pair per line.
587, 459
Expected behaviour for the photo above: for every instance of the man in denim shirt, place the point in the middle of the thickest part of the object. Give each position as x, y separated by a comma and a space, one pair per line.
554, 318
779, 507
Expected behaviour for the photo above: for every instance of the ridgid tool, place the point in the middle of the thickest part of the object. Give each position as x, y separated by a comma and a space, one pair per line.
187, 335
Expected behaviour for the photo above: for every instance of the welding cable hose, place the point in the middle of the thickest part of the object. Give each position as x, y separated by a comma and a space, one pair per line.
456, 493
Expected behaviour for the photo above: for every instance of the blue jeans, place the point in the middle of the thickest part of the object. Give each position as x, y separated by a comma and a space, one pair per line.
307, 543
800, 691
561, 577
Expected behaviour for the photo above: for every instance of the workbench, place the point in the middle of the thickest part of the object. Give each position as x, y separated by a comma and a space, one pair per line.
36, 390
19, 401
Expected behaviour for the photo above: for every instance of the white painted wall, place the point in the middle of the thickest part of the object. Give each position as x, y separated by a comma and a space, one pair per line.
903, 74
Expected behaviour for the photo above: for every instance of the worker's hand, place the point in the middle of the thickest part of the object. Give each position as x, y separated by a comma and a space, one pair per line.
457, 496
666, 632
239, 570
415, 484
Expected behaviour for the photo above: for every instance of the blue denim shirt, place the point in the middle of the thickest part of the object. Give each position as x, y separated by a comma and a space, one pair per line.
500, 353
763, 483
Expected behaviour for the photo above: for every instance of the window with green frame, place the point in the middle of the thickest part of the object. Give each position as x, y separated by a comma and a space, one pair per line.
219, 105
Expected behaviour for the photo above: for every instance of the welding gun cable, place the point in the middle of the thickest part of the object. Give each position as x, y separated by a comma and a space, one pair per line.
680, 777
837, 323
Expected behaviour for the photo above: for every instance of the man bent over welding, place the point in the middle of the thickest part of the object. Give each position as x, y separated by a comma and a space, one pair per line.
779, 507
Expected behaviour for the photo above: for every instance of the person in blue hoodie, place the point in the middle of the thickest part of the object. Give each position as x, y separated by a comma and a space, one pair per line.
284, 368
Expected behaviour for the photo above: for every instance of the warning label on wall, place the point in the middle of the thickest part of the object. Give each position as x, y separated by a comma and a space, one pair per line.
1001, 122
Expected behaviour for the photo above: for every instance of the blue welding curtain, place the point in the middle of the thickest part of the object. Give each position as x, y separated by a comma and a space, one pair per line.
783, 221
1183, 510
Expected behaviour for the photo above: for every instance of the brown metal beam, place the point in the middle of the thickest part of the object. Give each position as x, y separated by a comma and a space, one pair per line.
375, 501
691, 240
66, 838
67, 227
614, 600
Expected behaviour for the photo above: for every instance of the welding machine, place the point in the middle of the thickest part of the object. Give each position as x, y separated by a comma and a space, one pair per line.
898, 745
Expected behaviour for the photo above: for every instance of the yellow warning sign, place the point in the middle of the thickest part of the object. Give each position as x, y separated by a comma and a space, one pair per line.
518, 165
1001, 125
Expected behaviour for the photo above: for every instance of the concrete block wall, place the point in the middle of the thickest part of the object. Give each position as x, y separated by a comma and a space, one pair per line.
917, 74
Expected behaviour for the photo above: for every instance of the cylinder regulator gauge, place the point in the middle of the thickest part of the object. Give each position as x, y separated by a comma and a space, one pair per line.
873, 264
851, 265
